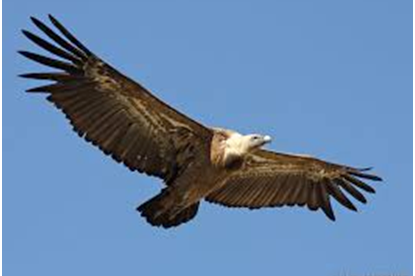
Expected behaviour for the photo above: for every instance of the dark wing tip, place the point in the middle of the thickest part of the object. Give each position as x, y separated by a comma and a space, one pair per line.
51, 17
25, 32
362, 185
329, 213
365, 169
26, 76
362, 172
377, 178
372, 177
67, 34
36, 21
23, 53
36, 89
338, 194
54, 20
29, 35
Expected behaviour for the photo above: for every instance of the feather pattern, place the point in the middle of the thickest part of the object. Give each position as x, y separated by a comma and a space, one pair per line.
125, 121
292, 180
111, 111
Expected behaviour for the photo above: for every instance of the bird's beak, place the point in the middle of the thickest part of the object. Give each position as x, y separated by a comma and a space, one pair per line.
267, 139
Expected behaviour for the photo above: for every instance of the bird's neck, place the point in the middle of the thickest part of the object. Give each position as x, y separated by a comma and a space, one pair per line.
236, 145
228, 149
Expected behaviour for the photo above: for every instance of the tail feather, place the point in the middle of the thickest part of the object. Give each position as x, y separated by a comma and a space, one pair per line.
161, 211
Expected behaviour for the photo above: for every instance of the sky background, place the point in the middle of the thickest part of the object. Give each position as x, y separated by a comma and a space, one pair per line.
328, 78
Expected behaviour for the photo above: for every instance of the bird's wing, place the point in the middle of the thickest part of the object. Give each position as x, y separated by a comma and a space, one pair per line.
271, 179
110, 110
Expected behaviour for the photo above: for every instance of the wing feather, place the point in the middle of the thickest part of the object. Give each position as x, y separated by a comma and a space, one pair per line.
359, 184
51, 48
312, 197
60, 41
56, 76
302, 197
54, 63
292, 198
289, 188
325, 200
271, 179
334, 190
114, 113
269, 188
351, 190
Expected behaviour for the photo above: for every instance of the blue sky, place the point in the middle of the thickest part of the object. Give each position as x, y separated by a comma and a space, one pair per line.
327, 78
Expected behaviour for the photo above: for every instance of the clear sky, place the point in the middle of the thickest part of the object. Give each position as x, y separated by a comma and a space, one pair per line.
327, 78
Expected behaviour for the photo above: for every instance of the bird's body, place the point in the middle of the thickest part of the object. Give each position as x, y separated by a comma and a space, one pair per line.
227, 153
195, 162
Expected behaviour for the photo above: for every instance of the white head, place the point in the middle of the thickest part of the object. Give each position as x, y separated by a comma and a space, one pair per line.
256, 141
243, 144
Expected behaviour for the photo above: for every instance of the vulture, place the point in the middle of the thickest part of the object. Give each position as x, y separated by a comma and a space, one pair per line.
195, 162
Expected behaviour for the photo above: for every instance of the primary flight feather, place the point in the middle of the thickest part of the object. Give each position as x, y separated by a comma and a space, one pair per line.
196, 162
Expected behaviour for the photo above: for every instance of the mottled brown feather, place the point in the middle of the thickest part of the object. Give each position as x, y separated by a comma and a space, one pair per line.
111, 111
271, 179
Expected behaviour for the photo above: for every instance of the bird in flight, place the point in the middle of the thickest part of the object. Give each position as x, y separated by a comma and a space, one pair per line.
127, 122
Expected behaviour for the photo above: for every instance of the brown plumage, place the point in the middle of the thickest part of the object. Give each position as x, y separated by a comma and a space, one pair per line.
127, 122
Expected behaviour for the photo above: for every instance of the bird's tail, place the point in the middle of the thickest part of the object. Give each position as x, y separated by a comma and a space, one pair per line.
162, 210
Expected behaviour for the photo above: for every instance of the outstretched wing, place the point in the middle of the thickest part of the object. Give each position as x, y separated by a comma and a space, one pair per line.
110, 110
273, 179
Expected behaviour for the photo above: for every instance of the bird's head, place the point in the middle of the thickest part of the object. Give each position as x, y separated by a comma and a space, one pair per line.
239, 144
256, 141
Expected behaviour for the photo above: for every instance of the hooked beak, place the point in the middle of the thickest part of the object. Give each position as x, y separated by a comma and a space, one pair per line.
267, 139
